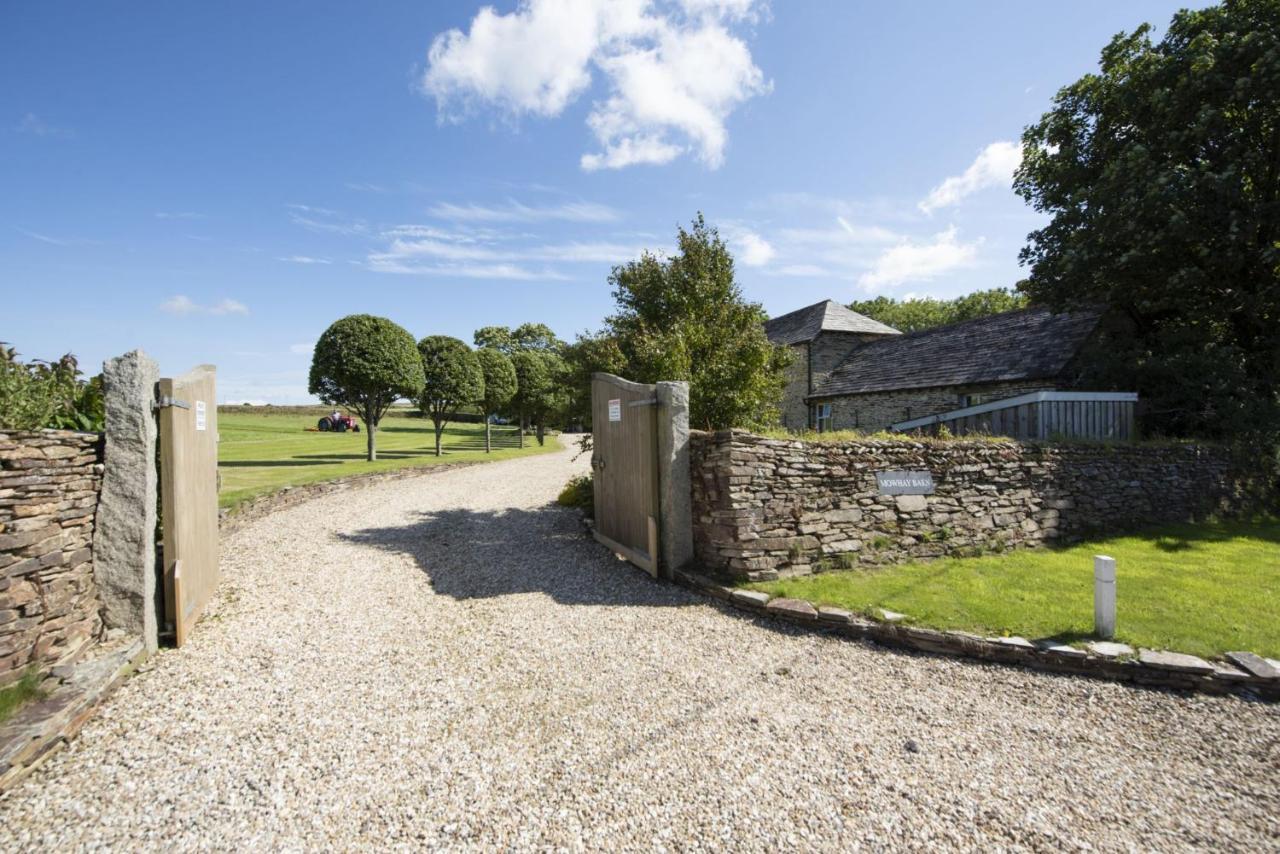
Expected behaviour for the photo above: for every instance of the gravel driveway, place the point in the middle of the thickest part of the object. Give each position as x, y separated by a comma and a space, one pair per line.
446, 660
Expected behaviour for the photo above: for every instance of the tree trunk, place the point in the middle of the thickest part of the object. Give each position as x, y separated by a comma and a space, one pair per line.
541, 440
521, 429
369, 429
488, 445
439, 431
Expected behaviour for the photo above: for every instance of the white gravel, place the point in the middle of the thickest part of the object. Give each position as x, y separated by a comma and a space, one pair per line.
447, 661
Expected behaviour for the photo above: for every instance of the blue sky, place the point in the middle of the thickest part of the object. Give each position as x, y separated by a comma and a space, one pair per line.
218, 182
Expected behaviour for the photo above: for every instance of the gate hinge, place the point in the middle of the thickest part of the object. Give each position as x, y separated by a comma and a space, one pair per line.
648, 401
171, 401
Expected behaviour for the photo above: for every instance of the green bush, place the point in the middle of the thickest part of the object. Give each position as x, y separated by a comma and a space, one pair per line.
578, 492
40, 394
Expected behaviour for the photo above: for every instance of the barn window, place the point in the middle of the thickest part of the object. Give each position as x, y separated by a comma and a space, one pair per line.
822, 419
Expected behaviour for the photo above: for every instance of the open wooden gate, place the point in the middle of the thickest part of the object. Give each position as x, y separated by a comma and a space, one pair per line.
624, 462
189, 495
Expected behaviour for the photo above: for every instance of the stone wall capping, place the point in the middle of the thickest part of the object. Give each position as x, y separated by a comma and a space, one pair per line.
1110, 649
795, 609
1254, 665
1174, 661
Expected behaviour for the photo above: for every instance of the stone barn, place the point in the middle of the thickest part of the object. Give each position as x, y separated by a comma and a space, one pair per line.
854, 373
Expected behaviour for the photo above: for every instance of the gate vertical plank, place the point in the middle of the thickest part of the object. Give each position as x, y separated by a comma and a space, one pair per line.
189, 496
624, 467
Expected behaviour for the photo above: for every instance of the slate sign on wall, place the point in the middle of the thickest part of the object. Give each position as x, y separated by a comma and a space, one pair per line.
904, 482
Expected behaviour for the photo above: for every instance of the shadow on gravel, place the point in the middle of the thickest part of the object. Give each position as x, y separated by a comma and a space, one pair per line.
469, 554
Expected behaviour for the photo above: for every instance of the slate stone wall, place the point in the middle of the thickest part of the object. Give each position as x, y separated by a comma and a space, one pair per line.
49, 606
794, 410
765, 508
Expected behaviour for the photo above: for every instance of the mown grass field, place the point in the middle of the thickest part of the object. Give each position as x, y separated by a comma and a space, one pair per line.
263, 451
1204, 589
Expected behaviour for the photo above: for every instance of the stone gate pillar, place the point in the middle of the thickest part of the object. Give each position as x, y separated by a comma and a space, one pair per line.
675, 503
124, 546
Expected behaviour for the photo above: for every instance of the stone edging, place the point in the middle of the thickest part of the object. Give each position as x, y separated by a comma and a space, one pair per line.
1246, 674
39, 729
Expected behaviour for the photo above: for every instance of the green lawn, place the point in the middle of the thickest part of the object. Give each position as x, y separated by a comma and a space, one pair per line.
261, 452
1204, 589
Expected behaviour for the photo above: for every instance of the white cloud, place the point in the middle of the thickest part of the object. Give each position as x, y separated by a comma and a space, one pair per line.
675, 72
514, 211
994, 166
911, 261
183, 306
36, 126
754, 250
304, 259
302, 349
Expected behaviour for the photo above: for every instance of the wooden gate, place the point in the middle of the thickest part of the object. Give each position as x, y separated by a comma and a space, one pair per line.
189, 495
624, 462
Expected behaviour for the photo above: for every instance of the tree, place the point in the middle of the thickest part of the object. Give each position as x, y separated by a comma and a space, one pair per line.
1161, 178
365, 364
499, 386
452, 377
533, 386
912, 315
591, 353
41, 394
526, 336
684, 318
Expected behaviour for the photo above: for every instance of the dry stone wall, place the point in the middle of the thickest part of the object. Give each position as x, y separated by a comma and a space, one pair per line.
49, 607
765, 508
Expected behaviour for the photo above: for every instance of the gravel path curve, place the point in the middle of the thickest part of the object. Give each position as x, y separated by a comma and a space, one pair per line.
447, 661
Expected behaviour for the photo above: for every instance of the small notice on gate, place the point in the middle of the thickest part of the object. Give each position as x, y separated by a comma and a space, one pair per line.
615, 409
201, 420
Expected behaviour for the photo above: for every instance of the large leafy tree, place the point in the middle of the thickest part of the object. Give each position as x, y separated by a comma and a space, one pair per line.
452, 378
912, 315
1161, 178
684, 318
365, 363
499, 386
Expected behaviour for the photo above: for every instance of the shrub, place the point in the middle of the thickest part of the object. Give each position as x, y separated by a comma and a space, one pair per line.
579, 493
42, 394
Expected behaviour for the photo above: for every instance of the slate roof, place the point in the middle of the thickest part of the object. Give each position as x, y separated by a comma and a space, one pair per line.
1032, 343
804, 324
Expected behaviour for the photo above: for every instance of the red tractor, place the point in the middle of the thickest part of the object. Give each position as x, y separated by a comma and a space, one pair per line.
338, 423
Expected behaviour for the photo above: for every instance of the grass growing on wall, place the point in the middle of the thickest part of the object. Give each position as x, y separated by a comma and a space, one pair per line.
19, 693
259, 453
1203, 589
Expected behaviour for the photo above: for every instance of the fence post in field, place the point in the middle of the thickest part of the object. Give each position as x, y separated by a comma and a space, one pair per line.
1104, 596
124, 547
674, 489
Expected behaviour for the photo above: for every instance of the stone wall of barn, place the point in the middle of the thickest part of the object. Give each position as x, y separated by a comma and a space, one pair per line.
765, 508
877, 410
49, 605
794, 409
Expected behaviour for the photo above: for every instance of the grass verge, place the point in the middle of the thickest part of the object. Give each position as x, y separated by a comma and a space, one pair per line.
260, 453
19, 693
1203, 589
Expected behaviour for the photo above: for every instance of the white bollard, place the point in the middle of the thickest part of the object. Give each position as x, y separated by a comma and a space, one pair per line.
1104, 596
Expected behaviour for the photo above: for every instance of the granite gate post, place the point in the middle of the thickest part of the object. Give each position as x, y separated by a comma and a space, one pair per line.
124, 536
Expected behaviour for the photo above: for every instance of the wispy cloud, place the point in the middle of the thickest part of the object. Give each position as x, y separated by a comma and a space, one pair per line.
325, 221
994, 166
183, 306
179, 215
35, 126
303, 259
514, 211
44, 238
302, 349
914, 261
366, 187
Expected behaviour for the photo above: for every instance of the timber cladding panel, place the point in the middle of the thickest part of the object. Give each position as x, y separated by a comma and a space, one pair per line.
49, 606
764, 508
